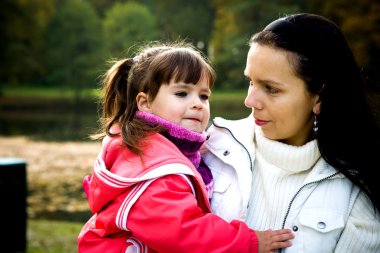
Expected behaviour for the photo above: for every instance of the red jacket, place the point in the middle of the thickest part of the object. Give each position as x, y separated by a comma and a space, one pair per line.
158, 204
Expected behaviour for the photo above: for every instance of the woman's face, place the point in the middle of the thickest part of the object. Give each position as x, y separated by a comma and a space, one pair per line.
280, 103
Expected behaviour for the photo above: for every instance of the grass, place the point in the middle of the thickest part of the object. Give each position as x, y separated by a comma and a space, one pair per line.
47, 236
46, 92
228, 95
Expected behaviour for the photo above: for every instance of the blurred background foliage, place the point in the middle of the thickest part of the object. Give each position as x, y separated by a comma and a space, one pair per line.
55, 50
67, 42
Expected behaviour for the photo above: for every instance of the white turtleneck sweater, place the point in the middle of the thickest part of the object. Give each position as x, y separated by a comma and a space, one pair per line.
256, 179
280, 170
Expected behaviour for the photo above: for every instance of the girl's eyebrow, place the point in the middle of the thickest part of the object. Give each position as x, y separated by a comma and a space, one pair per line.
180, 85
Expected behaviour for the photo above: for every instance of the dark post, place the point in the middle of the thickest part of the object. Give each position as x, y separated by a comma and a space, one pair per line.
13, 192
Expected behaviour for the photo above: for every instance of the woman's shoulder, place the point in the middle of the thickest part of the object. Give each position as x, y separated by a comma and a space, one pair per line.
240, 130
231, 123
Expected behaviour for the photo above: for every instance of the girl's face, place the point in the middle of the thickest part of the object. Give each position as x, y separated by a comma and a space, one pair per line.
281, 105
184, 104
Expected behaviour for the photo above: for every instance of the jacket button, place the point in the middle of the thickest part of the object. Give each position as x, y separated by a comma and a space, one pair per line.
207, 137
225, 153
295, 228
321, 225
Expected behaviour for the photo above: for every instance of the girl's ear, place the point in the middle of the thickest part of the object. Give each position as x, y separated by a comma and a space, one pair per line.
143, 102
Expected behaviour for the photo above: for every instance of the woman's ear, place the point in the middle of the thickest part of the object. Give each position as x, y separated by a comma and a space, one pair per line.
317, 101
317, 106
143, 102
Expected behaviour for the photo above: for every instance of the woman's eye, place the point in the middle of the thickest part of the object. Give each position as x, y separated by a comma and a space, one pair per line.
181, 94
271, 89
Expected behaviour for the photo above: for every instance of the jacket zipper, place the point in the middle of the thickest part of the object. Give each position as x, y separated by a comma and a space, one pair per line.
241, 144
246, 150
299, 190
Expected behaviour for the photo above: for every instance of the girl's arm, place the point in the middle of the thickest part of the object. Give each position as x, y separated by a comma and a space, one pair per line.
166, 218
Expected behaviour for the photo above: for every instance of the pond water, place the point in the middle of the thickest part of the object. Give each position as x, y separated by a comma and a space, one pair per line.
48, 119
64, 119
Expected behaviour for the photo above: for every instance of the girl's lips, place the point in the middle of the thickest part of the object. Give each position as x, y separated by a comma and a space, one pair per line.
260, 122
193, 119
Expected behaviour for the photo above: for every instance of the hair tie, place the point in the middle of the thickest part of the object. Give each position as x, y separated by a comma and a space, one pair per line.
136, 59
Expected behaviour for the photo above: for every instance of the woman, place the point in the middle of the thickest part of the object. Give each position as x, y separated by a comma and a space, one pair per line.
306, 157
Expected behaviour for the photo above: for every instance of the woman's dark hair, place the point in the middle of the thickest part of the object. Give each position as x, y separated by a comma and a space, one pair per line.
154, 65
348, 136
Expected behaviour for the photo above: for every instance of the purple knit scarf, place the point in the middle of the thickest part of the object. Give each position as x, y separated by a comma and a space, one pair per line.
188, 142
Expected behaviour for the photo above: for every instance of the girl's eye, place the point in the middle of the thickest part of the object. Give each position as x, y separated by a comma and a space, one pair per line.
250, 83
181, 94
204, 97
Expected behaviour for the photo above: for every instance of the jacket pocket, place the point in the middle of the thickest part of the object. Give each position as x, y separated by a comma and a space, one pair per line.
221, 185
226, 200
316, 230
322, 220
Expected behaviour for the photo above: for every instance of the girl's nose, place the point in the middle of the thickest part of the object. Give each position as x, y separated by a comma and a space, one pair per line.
197, 103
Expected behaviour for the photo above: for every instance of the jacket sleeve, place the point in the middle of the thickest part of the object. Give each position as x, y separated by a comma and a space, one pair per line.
166, 218
362, 231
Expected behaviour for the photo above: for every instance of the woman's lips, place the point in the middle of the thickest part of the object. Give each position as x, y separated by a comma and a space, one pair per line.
260, 122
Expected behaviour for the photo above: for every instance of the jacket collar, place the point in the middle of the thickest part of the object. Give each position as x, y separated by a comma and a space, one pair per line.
242, 130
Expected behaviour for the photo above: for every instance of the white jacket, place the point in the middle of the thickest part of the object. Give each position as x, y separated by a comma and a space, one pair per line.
327, 213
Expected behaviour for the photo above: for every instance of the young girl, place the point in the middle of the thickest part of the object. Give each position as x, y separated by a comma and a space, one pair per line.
149, 187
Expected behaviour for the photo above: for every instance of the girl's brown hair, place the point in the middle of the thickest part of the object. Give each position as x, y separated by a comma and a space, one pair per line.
154, 65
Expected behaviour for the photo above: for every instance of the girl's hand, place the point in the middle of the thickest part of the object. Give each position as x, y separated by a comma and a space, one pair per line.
271, 240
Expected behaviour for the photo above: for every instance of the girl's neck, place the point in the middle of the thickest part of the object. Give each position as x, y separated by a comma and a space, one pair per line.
188, 142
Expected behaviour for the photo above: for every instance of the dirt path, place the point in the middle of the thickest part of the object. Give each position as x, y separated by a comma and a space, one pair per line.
54, 172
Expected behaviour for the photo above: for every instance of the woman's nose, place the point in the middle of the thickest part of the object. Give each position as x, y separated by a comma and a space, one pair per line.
252, 99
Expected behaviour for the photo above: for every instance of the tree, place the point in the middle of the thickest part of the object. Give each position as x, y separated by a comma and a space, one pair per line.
190, 20
101, 6
22, 24
360, 23
226, 43
74, 47
126, 25
234, 24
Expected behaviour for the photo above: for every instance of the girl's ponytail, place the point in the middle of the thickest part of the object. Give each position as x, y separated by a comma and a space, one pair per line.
115, 85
